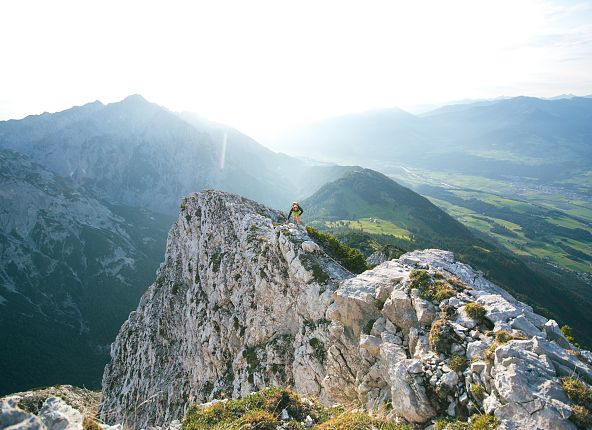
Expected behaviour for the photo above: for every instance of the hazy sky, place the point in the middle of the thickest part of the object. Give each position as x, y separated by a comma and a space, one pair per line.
263, 65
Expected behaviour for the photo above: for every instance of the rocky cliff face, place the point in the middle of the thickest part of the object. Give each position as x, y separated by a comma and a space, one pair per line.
244, 301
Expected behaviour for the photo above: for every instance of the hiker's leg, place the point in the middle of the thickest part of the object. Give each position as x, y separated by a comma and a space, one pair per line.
297, 219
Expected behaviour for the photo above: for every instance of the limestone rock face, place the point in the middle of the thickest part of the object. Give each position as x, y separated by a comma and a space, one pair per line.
239, 304
242, 302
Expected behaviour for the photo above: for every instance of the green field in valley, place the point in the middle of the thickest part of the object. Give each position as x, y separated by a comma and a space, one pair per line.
551, 222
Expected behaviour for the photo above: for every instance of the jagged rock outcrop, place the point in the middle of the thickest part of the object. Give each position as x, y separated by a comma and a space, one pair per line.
244, 301
239, 304
38, 410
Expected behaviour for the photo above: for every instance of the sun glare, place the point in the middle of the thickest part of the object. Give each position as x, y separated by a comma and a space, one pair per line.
264, 65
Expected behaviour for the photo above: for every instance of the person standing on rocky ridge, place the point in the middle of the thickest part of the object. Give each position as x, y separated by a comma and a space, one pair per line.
296, 211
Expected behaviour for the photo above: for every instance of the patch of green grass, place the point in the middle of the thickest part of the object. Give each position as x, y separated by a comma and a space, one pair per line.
503, 336
580, 395
232, 412
262, 411
373, 226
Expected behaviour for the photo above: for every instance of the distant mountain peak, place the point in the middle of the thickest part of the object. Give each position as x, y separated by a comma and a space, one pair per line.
134, 98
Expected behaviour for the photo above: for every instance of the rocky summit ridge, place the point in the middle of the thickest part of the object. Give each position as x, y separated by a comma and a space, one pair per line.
245, 301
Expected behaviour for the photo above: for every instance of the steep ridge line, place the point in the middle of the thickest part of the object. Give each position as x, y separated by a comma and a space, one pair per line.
244, 301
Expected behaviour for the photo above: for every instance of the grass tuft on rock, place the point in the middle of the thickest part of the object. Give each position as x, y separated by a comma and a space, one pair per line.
262, 411
478, 392
458, 363
475, 311
476, 422
429, 289
503, 336
440, 337
581, 416
358, 421
577, 391
90, 424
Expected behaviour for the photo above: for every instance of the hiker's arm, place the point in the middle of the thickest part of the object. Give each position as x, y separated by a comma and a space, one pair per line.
301, 210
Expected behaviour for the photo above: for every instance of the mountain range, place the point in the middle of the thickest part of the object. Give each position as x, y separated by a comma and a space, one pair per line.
516, 136
88, 195
516, 170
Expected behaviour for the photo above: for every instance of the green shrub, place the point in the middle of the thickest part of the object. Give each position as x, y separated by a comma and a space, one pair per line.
350, 258
566, 330
458, 363
318, 348
475, 311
